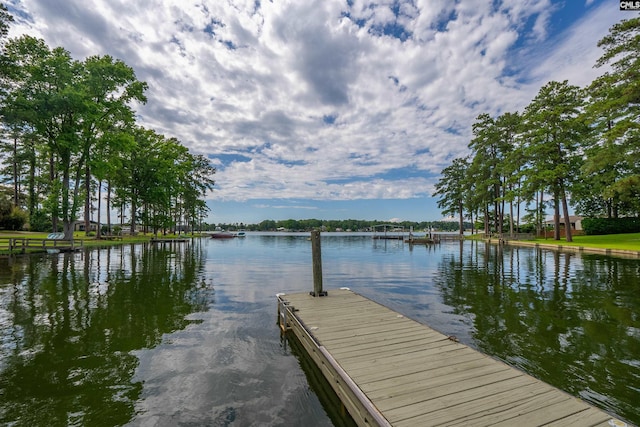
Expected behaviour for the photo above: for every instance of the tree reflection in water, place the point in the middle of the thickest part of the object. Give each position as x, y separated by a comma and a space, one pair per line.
572, 320
69, 322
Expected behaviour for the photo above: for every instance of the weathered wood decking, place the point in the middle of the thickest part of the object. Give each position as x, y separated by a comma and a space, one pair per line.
390, 370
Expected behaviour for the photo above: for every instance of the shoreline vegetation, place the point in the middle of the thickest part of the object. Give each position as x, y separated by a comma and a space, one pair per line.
609, 244
627, 244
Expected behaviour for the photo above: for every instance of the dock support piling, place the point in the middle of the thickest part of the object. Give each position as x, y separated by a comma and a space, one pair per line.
316, 256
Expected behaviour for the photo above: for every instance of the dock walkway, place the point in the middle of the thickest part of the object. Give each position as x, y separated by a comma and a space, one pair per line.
390, 370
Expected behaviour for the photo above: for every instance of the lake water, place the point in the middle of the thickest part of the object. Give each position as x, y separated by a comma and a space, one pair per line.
186, 334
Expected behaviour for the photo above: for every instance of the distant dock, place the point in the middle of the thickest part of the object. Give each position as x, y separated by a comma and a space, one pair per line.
388, 232
389, 370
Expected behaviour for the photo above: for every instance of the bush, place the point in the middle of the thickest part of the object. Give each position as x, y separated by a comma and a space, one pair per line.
594, 226
527, 228
15, 220
40, 221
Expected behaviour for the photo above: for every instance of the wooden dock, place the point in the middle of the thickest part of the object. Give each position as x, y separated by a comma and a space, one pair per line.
22, 244
389, 370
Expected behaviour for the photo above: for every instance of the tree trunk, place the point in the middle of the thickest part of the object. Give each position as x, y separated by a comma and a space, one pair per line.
98, 230
87, 199
556, 218
109, 206
33, 200
565, 211
461, 212
133, 215
67, 216
486, 221
540, 215
511, 219
16, 188
470, 214
55, 208
67, 228
518, 209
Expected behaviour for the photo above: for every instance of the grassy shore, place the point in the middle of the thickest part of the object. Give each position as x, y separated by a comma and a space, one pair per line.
621, 242
625, 242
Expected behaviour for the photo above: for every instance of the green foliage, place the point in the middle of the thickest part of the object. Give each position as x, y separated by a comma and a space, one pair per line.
571, 145
12, 217
40, 221
596, 226
612, 168
453, 190
72, 125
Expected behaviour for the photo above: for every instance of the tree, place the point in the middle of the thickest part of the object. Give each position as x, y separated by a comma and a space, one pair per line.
554, 130
109, 86
71, 106
484, 168
613, 157
45, 97
452, 189
508, 126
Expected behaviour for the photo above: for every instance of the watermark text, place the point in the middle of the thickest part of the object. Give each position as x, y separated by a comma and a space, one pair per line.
630, 5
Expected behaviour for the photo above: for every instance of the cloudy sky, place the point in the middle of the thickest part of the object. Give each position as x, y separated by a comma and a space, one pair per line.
329, 109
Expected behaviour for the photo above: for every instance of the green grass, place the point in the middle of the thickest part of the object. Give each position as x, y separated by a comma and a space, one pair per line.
629, 241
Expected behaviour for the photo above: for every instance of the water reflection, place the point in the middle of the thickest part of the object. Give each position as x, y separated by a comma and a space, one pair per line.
571, 320
185, 334
70, 321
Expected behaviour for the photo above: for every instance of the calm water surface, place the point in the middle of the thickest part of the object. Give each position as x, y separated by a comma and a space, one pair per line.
186, 334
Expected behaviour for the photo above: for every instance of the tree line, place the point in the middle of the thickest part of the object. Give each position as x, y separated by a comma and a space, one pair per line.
70, 139
570, 146
340, 225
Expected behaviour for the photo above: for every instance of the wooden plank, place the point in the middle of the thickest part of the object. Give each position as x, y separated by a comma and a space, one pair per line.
383, 349
559, 406
414, 375
481, 411
363, 334
476, 377
428, 376
423, 358
588, 417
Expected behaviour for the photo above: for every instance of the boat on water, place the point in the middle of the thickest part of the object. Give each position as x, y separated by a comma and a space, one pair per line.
222, 235
241, 234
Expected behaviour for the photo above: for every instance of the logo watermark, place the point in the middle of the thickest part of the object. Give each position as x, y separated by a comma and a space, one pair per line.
630, 5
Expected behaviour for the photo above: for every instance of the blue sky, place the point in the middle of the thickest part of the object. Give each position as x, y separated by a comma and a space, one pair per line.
329, 109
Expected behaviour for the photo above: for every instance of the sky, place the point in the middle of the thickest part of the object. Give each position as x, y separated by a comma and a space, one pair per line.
328, 109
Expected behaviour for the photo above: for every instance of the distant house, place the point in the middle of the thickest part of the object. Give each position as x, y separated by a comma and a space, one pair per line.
576, 223
80, 226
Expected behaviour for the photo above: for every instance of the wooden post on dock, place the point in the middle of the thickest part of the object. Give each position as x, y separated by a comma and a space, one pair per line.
316, 256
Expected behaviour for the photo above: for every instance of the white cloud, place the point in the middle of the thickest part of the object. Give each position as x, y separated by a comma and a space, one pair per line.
321, 99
